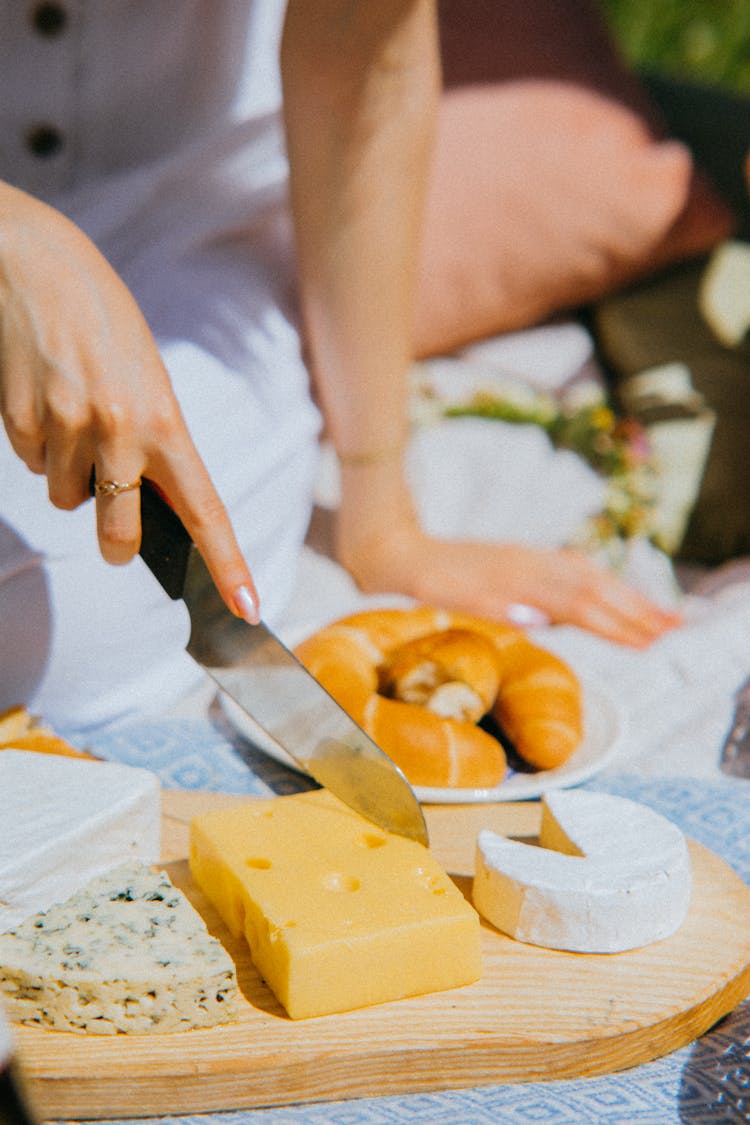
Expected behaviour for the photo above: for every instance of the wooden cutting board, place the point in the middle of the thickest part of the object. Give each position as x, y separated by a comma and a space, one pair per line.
535, 1014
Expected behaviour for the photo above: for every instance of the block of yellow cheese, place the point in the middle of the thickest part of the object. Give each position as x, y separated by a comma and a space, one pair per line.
338, 913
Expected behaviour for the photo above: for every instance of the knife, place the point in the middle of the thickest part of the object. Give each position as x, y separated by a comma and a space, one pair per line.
269, 683
735, 756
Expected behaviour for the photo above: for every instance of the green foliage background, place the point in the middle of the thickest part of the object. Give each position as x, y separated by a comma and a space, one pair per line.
704, 40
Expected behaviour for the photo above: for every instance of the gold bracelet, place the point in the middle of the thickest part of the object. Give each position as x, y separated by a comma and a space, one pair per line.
374, 456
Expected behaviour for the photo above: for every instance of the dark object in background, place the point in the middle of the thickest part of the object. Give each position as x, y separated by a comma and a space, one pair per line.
14, 1105
657, 321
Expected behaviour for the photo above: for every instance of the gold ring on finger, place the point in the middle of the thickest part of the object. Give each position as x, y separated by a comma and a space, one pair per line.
115, 487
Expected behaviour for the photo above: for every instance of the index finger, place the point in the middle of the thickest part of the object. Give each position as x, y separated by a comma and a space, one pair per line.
627, 616
207, 521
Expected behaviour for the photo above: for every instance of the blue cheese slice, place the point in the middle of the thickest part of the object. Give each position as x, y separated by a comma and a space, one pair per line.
610, 875
64, 821
127, 953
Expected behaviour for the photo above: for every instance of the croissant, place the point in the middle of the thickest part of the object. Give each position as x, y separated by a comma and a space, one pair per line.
21, 731
419, 680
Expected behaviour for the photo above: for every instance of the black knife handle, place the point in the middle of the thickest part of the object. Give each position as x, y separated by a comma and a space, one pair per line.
165, 542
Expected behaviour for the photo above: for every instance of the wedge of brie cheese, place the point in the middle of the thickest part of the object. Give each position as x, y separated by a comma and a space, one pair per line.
63, 821
610, 874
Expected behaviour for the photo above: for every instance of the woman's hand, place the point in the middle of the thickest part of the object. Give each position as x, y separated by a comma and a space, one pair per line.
379, 541
82, 385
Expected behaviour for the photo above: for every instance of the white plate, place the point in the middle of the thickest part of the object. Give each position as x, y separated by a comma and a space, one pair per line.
603, 730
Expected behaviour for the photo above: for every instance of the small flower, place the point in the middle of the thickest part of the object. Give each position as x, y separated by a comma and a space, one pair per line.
602, 418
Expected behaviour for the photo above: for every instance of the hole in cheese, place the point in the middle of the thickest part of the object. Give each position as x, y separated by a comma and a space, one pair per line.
259, 863
432, 883
370, 840
336, 881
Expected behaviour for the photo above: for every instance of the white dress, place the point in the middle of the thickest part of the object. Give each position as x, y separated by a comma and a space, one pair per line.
154, 125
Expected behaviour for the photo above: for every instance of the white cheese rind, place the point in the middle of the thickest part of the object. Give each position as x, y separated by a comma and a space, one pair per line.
63, 821
610, 875
128, 953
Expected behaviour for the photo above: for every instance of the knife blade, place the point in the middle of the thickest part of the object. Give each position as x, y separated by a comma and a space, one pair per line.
735, 755
256, 670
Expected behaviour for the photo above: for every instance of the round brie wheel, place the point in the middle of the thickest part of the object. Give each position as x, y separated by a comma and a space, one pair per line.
609, 875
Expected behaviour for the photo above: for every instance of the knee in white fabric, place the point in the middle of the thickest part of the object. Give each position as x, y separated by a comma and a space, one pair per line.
24, 619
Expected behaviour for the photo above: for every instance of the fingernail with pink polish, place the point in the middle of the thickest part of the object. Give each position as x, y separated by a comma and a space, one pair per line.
526, 616
247, 605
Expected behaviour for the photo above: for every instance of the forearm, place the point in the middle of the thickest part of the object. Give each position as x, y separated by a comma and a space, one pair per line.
360, 88
82, 386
